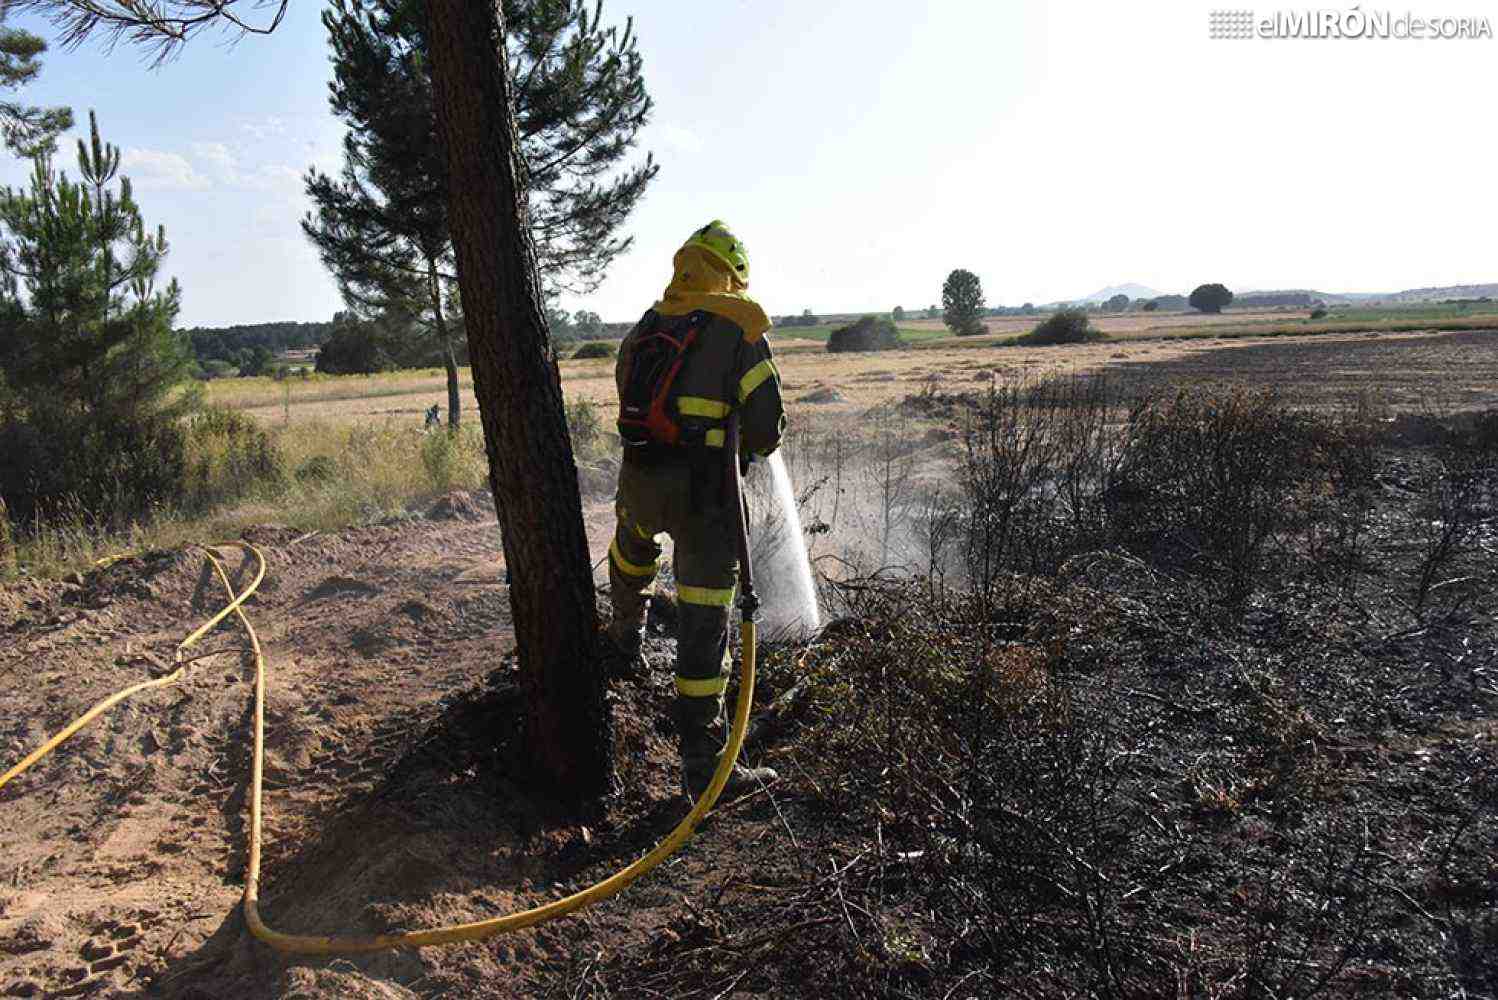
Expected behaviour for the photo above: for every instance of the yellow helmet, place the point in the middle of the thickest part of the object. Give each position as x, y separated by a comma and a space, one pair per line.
717, 240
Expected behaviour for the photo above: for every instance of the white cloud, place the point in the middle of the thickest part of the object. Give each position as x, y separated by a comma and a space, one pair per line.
219, 159
226, 167
154, 169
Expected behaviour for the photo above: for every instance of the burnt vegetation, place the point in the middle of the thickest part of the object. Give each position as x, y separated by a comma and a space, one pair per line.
1192, 695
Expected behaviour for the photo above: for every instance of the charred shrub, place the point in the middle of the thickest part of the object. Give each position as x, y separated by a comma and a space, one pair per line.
1208, 478
1038, 459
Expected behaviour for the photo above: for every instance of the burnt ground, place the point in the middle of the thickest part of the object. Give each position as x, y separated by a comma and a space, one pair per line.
1442, 371
1114, 783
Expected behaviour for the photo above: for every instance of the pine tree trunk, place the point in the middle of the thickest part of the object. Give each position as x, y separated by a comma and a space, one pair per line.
454, 395
449, 353
531, 468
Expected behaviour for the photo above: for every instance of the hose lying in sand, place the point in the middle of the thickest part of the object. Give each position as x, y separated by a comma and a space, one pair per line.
478, 930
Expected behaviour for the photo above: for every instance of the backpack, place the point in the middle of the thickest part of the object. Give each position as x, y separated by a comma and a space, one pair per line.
646, 411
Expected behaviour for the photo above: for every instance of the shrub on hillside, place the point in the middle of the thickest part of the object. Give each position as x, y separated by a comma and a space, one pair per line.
867, 334
1065, 326
1318, 313
595, 349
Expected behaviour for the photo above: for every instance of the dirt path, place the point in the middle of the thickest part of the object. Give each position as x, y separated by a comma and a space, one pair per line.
122, 855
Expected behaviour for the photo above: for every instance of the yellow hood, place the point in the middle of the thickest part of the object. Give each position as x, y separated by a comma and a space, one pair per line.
701, 282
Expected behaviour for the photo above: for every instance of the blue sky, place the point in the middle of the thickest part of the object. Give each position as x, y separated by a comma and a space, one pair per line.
864, 149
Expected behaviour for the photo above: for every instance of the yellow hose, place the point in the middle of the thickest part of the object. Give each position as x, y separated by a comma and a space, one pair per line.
476, 931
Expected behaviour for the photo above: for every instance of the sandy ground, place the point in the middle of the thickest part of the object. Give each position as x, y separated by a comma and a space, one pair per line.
123, 853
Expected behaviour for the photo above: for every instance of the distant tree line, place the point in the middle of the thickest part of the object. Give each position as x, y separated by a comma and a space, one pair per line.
1302, 300
229, 343
807, 318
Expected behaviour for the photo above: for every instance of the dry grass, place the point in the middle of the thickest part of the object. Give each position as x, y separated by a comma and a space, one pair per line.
329, 475
863, 380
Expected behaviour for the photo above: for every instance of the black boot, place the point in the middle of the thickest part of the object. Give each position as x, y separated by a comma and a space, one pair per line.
703, 735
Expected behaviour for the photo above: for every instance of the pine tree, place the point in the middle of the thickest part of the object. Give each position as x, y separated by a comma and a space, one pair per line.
89, 356
531, 466
382, 225
26, 129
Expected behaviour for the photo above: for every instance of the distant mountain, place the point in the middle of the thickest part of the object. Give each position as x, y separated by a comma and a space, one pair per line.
1131, 289
1409, 295
1442, 292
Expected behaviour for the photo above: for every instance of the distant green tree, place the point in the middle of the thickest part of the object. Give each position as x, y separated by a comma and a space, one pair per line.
255, 362
26, 130
356, 346
1117, 303
588, 324
897, 314
1150, 306
962, 303
559, 322
91, 363
1028, 309
1213, 298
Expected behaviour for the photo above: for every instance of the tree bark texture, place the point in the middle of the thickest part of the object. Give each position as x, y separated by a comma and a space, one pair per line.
531, 467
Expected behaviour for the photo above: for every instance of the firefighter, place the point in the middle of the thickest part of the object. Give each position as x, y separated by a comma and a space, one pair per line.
696, 356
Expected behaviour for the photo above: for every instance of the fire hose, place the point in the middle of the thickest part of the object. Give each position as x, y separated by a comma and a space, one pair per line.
453, 933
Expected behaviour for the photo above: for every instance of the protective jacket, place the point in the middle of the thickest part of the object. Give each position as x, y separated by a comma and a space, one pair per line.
676, 489
729, 367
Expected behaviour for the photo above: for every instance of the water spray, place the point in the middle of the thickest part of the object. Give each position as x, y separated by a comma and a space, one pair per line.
788, 608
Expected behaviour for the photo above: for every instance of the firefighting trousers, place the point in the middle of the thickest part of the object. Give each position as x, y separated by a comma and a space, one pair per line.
663, 499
